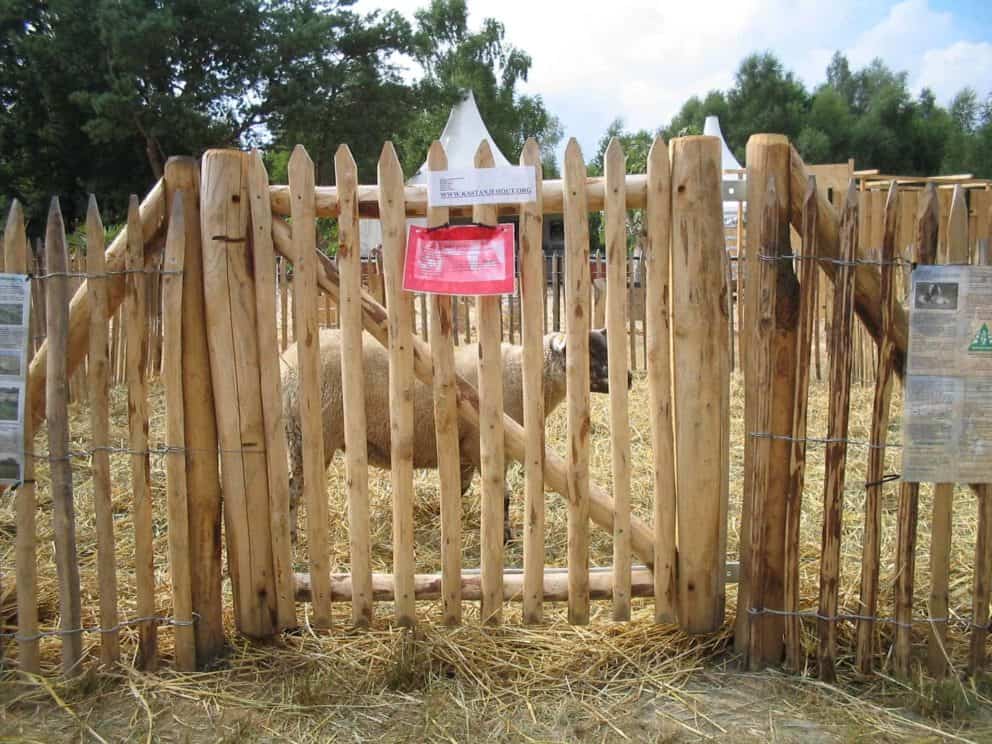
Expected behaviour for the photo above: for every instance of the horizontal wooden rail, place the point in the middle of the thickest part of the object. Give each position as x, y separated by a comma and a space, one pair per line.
867, 278
416, 198
427, 587
152, 215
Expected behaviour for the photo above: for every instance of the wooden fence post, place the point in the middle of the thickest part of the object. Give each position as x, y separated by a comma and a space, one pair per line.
658, 275
577, 377
307, 333
909, 493
16, 252
490, 428
532, 296
180, 568
182, 180
353, 387
837, 428
702, 381
263, 260
401, 339
229, 291
56, 402
770, 381
879, 428
136, 317
617, 306
809, 271
100, 434
954, 250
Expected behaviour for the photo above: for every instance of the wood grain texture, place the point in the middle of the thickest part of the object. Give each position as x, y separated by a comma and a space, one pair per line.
56, 410
442, 334
577, 306
809, 273
490, 428
701, 380
427, 587
399, 305
532, 294
836, 450
953, 250
616, 321
99, 385
771, 388
177, 509
658, 222
136, 314
270, 389
927, 220
353, 388
301, 179
15, 248
182, 181
884, 377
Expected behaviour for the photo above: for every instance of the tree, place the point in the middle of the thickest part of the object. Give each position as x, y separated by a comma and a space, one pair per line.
765, 98
868, 114
455, 59
97, 93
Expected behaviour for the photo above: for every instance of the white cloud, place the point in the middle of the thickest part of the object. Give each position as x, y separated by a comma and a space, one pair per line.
641, 59
909, 28
946, 71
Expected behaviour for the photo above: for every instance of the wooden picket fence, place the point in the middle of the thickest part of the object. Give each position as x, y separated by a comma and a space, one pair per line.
237, 282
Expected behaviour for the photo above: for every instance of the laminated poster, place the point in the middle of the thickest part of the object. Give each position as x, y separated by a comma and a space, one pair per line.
460, 260
947, 418
15, 307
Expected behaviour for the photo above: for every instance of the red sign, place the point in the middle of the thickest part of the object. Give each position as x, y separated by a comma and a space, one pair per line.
460, 260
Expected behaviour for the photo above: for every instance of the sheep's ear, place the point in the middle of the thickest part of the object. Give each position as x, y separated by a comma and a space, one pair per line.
558, 343
600, 331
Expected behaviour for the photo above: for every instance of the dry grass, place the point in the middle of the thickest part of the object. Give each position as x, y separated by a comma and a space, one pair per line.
606, 682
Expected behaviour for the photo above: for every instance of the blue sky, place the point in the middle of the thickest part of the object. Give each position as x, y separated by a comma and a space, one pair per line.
639, 60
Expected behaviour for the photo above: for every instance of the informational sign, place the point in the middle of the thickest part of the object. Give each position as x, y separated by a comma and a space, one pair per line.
512, 184
460, 260
15, 308
947, 420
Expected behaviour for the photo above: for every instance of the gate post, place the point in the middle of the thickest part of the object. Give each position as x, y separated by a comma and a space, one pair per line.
769, 381
202, 482
230, 317
701, 365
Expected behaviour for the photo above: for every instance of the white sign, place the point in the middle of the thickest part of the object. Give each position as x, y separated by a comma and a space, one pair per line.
947, 419
512, 184
15, 307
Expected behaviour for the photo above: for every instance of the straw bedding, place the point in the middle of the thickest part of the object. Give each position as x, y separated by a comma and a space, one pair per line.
605, 682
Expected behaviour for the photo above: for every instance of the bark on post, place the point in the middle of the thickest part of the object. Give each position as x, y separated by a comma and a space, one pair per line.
532, 294
15, 245
909, 493
658, 221
445, 422
876, 455
768, 159
56, 408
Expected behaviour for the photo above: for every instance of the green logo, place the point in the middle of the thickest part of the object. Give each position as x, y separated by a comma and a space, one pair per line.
983, 340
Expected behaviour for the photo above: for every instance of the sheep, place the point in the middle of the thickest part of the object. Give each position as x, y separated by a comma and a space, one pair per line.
376, 360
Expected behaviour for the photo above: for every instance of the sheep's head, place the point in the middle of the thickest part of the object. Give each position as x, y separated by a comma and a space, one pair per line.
599, 367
